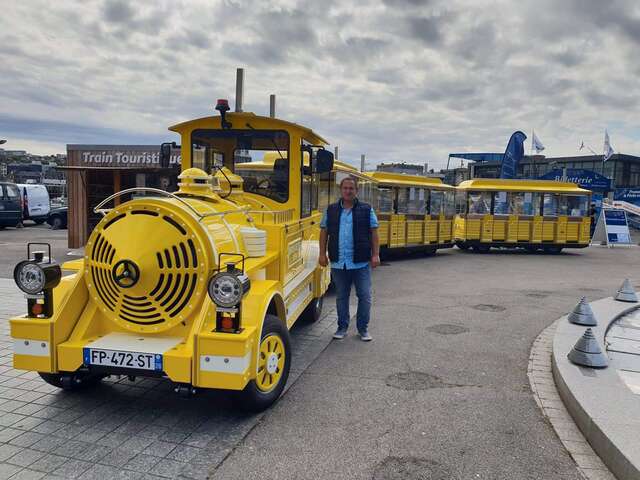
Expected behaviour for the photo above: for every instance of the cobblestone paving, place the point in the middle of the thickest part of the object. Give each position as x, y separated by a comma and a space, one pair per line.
122, 429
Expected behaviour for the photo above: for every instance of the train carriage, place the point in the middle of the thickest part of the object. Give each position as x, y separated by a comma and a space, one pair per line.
415, 212
531, 214
200, 286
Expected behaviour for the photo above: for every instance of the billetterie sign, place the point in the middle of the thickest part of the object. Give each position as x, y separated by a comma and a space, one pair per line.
125, 158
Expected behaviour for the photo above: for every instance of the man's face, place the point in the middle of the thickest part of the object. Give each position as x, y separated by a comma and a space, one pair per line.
348, 190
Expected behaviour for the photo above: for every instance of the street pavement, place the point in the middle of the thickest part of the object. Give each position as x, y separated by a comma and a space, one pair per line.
441, 392
13, 245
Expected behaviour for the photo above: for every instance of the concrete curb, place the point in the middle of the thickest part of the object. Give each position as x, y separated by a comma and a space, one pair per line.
604, 409
548, 399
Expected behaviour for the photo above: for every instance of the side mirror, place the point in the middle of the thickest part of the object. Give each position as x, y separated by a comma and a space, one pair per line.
324, 161
165, 154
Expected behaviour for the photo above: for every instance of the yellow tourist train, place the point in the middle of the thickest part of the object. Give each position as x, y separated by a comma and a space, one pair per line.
200, 286
531, 214
415, 212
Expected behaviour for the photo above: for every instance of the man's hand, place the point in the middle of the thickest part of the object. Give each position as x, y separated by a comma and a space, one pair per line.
323, 260
375, 261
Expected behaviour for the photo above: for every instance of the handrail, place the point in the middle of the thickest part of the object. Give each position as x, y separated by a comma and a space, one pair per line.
104, 211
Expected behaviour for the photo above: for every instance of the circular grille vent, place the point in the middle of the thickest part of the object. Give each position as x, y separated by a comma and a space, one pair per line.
145, 268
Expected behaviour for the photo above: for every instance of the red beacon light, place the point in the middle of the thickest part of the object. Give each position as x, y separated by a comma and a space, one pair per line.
223, 107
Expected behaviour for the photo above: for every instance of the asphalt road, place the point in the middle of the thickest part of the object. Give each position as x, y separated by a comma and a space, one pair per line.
442, 391
13, 244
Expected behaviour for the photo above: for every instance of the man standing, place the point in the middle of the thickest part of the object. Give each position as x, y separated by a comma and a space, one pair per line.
350, 228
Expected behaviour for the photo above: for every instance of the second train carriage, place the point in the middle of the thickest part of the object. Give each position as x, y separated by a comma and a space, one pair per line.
531, 214
415, 212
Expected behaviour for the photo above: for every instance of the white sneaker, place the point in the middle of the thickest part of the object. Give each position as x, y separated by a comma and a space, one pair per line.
365, 337
340, 334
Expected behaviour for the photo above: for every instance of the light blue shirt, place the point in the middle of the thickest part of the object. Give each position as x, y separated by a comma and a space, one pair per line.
345, 241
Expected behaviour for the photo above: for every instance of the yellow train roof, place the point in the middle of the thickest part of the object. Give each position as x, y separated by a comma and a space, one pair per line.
258, 122
389, 179
516, 185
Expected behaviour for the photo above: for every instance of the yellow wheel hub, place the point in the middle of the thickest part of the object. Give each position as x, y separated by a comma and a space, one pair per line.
270, 362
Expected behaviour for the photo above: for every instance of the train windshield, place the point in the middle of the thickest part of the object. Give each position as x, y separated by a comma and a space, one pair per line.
260, 157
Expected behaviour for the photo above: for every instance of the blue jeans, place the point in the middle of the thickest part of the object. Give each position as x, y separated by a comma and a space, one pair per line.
361, 278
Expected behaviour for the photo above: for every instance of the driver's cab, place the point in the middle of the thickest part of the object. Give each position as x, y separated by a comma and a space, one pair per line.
279, 162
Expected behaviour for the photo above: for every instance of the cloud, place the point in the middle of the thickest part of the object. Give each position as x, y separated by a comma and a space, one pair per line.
399, 80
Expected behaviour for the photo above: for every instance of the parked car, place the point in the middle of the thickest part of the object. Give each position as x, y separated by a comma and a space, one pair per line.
10, 205
58, 218
35, 202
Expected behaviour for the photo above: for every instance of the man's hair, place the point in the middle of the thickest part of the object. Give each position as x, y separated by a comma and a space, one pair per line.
350, 179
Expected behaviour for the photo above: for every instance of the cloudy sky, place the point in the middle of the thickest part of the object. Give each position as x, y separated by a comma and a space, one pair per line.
399, 80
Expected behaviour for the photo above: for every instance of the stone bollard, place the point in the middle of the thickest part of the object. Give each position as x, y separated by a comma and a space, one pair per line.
582, 314
626, 293
587, 352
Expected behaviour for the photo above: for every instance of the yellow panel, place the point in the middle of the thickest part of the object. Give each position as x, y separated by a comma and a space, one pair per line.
383, 232
524, 229
548, 230
512, 229
414, 231
459, 229
444, 230
70, 355
32, 362
487, 229
585, 233
499, 230
473, 228
573, 231
561, 230
536, 236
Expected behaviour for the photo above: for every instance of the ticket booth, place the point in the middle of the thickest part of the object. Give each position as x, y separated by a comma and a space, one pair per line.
95, 172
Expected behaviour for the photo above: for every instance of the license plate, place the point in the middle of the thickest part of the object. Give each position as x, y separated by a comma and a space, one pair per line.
120, 359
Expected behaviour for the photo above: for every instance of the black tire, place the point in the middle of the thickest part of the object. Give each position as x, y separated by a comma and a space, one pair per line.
552, 250
252, 399
85, 380
531, 249
428, 251
463, 246
312, 313
481, 248
56, 223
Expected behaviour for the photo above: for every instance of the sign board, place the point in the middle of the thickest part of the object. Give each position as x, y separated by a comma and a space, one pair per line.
583, 178
118, 156
612, 228
630, 195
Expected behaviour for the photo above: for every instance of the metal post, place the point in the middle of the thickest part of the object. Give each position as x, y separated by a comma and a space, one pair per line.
239, 88
426, 169
362, 162
335, 154
272, 106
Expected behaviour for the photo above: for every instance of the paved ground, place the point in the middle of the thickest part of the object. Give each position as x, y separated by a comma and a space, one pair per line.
13, 244
441, 393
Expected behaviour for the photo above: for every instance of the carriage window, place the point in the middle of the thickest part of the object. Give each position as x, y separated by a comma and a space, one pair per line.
530, 203
480, 203
385, 200
461, 202
436, 201
403, 200
449, 203
500, 203
260, 157
323, 180
550, 205
416, 203
574, 205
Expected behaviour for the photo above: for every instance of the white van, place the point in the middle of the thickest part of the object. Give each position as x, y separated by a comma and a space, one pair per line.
35, 202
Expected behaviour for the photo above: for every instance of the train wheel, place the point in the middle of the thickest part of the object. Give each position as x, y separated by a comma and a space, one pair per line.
313, 311
553, 250
274, 362
462, 245
430, 251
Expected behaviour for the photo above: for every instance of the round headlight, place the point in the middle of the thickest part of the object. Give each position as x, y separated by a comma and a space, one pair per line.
29, 277
227, 289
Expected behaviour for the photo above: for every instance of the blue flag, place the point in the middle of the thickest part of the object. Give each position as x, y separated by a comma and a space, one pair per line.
512, 155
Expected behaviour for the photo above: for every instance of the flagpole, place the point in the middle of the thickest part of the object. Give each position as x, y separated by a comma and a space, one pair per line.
533, 162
